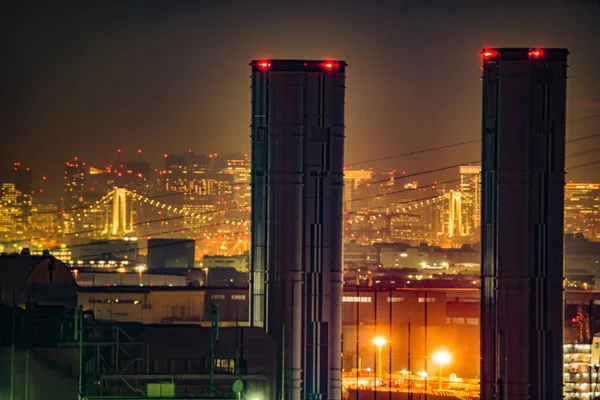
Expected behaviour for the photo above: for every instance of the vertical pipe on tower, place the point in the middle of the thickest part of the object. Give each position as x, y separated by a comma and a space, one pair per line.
334, 215
258, 171
285, 223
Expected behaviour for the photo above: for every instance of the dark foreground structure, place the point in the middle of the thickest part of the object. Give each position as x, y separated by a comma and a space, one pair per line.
296, 233
524, 100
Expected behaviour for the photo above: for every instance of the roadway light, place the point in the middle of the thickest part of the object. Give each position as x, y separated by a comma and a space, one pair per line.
442, 357
379, 342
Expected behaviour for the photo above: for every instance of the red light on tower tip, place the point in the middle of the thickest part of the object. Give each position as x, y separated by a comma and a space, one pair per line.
330, 65
264, 64
536, 53
489, 53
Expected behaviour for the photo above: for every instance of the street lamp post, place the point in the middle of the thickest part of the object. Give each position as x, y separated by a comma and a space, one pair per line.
140, 270
205, 276
441, 357
379, 342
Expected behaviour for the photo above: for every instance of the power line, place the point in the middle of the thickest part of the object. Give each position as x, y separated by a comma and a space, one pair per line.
427, 150
583, 118
463, 164
586, 152
448, 146
374, 196
584, 165
438, 183
430, 171
595, 135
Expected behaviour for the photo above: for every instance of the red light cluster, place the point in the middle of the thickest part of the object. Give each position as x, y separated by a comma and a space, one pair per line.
536, 53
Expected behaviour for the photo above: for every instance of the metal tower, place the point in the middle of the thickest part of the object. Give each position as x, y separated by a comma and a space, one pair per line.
524, 101
296, 233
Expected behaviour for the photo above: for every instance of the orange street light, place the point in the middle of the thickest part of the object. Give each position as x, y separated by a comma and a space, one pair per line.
442, 357
379, 342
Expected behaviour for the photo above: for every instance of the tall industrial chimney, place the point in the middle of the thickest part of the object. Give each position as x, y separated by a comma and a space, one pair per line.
524, 102
296, 233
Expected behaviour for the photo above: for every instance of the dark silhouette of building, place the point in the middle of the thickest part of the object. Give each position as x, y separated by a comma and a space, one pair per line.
524, 99
39, 280
296, 233
170, 253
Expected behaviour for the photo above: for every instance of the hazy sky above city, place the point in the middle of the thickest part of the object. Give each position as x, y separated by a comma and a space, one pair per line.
83, 78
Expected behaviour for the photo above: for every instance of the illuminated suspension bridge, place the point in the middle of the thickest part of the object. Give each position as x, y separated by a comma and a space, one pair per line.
435, 219
123, 213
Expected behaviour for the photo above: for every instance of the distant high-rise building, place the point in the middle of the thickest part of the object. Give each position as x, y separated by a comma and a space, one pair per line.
470, 187
9, 209
99, 181
238, 166
16, 199
199, 175
44, 215
353, 181
582, 209
522, 225
296, 231
75, 179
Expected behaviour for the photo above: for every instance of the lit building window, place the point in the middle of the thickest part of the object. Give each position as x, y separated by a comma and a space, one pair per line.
356, 299
395, 299
427, 299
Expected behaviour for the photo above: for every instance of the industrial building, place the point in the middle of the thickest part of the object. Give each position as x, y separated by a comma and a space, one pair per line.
36, 280
523, 177
102, 349
166, 305
434, 318
163, 333
296, 224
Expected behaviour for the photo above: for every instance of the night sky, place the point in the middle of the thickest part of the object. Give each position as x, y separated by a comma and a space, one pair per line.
83, 78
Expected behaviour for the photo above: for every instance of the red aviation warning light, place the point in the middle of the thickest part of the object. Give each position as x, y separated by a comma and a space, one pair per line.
264, 64
330, 65
536, 53
488, 54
